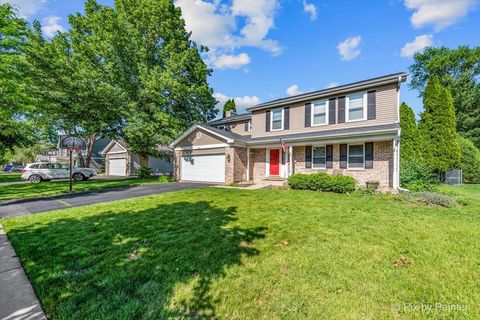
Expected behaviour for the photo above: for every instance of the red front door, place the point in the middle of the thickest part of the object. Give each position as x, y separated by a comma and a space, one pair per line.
274, 162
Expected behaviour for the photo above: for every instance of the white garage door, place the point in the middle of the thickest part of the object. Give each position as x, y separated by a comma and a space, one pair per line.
209, 168
117, 167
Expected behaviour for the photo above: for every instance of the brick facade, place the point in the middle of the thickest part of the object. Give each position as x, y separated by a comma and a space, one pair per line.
382, 165
258, 160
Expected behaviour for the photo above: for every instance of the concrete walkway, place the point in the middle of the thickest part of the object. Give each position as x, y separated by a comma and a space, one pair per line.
17, 299
15, 208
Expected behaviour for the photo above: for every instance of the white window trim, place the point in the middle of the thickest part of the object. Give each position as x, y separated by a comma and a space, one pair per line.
364, 107
313, 113
271, 119
348, 156
313, 162
249, 126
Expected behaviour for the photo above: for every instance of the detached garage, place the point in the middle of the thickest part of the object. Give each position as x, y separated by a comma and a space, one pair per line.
207, 154
119, 161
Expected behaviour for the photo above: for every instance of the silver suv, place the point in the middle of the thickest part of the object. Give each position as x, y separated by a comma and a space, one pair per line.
44, 171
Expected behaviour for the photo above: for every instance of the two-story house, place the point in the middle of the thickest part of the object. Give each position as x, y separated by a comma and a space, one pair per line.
351, 129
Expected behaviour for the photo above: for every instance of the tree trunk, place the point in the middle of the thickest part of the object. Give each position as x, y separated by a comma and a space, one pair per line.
143, 159
90, 143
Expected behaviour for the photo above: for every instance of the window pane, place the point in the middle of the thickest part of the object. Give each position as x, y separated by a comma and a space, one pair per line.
355, 114
277, 115
277, 124
319, 119
356, 150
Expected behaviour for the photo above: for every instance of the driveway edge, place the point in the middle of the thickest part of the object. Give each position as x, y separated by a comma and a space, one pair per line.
17, 298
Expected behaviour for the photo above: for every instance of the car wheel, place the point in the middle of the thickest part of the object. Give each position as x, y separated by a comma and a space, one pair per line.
78, 176
35, 178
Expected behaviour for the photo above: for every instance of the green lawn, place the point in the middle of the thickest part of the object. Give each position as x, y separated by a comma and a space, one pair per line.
31, 190
218, 253
9, 177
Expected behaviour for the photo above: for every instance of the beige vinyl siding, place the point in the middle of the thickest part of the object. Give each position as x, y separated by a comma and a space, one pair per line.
116, 148
387, 112
239, 128
205, 138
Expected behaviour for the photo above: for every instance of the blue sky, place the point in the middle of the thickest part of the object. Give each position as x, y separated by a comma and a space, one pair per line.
268, 49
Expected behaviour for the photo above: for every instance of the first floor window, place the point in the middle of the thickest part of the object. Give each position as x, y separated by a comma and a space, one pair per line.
319, 114
356, 157
319, 157
277, 119
356, 107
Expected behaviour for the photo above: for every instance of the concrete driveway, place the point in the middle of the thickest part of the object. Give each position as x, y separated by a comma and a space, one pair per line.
20, 207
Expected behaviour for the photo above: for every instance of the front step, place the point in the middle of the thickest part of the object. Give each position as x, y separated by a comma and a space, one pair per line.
274, 178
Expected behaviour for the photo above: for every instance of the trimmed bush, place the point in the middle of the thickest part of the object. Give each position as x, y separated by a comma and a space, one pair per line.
469, 161
322, 182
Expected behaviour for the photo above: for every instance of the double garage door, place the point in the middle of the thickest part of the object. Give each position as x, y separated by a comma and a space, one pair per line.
208, 167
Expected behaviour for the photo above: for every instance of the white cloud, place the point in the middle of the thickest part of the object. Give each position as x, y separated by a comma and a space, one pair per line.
332, 85
416, 45
439, 13
51, 26
26, 8
241, 102
349, 49
293, 90
227, 27
226, 61
311, 9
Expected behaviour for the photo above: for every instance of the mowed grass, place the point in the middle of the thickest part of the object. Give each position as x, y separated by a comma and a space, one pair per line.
32, 190
218, 253
9, 177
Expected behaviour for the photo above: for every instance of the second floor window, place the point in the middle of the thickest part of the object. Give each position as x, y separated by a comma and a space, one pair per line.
277, 119
356, 106
249, 125
319, 112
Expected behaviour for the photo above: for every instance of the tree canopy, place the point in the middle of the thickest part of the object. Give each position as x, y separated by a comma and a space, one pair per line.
410, 136
15, 103
437, 127
229, 106
459, 71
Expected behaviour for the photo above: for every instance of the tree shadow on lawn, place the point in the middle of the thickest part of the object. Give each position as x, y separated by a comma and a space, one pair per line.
152, 264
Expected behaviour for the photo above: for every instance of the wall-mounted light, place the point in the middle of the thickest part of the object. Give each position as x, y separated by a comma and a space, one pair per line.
228, 158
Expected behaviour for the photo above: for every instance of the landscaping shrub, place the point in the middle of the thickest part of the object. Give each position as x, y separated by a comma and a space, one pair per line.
415, 175
144, 172
469, 161
322, 182
165, 179
429, 199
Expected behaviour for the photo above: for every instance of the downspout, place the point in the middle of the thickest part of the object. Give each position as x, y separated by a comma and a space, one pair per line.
248, 163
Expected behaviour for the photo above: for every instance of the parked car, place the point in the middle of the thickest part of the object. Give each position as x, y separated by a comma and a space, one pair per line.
6, 168
16, 168
44, 171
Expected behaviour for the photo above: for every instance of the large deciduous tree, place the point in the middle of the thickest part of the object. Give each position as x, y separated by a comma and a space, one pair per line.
437, 127
458, 70
15, 102
151, 58
73, 93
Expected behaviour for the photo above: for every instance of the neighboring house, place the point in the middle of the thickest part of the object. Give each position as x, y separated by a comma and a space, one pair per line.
119, 160
62, 155
351, 129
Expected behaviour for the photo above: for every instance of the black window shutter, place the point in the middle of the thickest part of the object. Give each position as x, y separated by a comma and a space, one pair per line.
286, 118
371, 105
329, 156
308, 156
343, 156
267, 121
308, 114
246, 126
331, 111
369, 155
341, 110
